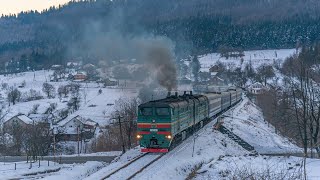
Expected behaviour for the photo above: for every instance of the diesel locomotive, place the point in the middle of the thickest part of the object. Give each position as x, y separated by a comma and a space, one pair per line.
164, 123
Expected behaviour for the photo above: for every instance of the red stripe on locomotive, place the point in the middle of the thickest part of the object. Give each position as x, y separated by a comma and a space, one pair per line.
164, 132
154, 150
144, 132
164, 126
144, 125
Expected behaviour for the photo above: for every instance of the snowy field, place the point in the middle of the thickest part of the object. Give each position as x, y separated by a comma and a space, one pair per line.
96, 106
53, 171
257, 58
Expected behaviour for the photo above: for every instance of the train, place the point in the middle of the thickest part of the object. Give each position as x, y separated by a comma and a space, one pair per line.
163, 123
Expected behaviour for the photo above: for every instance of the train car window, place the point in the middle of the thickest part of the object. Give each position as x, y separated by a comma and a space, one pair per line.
146, 111
163, 111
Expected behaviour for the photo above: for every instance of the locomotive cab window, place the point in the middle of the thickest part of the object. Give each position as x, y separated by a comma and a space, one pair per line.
146, 111
162, 111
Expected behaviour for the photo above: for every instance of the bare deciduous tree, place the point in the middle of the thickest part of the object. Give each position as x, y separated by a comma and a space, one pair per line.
49, 90
13, 95
265, 72
74, 102
127, 110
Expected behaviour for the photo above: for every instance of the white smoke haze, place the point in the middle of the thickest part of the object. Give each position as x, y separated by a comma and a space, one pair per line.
156, 52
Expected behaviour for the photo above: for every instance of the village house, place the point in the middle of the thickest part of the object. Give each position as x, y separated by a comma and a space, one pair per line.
22, 121
215, 69
80, 76
73, 65
74, 128
184, 80
56, 67
257, 88
41, 118
216, 81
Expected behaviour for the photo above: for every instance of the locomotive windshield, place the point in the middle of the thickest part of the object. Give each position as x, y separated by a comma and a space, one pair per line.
146, 111
163, 111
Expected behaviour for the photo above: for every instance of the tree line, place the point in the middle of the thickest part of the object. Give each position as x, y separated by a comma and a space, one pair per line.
195, 26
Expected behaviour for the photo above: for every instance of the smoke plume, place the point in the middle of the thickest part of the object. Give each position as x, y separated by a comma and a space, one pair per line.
158, 55
156, 52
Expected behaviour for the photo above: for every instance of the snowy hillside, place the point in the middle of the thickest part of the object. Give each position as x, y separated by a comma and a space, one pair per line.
248, 123
214, 151
215, 156
95, 106
257, 58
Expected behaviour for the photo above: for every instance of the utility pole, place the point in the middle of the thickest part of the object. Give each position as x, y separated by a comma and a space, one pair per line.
54, 145
78, 139
194, 138
123, 148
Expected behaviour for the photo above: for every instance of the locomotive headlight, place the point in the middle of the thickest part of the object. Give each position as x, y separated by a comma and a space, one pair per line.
139, 136
169, 137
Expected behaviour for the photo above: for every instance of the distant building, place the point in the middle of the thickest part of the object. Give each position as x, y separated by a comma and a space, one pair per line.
257, 88
22, 121
56, 67
184, 80
73, 65
80, 76
41, 118
74, 128
109, 82
216, 81
215, 68
89, 66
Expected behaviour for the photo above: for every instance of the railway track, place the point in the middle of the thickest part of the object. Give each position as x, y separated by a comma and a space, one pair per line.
142, 162
137, 165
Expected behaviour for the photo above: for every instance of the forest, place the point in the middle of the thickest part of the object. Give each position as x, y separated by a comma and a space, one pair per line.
61, 33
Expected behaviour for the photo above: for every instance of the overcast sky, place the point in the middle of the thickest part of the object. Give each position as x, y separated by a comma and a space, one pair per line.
16, 6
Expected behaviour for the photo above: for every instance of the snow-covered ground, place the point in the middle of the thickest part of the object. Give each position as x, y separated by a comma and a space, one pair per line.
7, 170
54, 171
241, 167
248, 123
218, 155
215, 150
257, 58
110, 153
95, 106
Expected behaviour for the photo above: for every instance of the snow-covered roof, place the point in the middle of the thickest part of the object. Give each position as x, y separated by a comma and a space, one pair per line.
256, 85
72, 63
81, 73
25, 119
56, 65
213, 73
67, 119
79, 118
39, 117
90, 122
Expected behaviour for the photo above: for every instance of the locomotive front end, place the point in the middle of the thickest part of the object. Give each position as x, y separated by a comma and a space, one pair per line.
154, 127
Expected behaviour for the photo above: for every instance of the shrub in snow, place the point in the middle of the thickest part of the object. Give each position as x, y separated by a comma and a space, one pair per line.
34, 109
32, 95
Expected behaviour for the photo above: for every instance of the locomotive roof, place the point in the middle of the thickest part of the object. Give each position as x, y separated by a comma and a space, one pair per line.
172, 101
